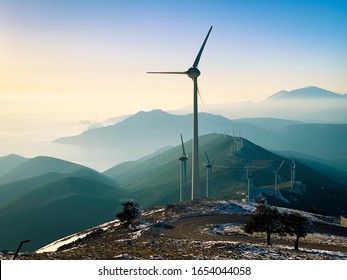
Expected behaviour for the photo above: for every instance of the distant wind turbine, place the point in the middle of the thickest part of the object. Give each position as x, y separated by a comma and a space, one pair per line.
292, 172
249, 179
277, 176
193, 73
208, 166
183, 167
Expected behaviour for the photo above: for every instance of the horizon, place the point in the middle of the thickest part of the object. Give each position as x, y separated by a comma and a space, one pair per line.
34, 135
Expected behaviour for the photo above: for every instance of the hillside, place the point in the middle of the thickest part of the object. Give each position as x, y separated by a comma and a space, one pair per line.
51, 205
41, 165
156, 180
207, 229
7, 163
50, 195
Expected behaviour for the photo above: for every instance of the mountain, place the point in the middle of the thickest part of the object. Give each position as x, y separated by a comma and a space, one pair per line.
306, 93
304, 105
337, 115
329, 168
7, 163
148, 129
146, 132
319, 140
13, 190
156, 181
267, 123
41, 165
56, 203
51, 205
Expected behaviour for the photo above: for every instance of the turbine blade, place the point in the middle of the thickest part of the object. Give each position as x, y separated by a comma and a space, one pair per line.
197, 59
279, 177
202, 101
208, 160
167, 72
281, 165
184, 151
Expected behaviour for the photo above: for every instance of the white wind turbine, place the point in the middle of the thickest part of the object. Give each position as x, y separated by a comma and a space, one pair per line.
292, 172
208, 166
249, 178
183, 167
193, 73
277, 176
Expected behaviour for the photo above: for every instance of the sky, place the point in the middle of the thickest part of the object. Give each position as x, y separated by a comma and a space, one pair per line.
87, 60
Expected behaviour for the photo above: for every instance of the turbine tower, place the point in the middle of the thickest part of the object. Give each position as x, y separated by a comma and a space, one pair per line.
249, 178
183, 167
277, 176
292, 172
208, 166
193, 73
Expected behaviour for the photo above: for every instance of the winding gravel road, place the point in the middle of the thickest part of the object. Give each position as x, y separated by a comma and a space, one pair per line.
191, 227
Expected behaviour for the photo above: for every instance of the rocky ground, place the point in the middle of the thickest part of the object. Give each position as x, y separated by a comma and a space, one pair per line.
197, 230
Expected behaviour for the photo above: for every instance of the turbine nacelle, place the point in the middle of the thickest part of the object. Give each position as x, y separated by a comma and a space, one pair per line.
193, 73
183, 158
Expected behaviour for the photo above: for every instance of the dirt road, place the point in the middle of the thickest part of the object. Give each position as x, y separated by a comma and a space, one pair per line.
191, 227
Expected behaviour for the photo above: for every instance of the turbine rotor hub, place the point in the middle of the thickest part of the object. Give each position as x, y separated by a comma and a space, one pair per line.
193, 72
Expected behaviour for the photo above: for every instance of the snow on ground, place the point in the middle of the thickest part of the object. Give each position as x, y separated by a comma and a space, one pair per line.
194, 208
153, 211
236, 229
52, 247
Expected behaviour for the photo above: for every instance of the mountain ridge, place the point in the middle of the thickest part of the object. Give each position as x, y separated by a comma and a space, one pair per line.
40, 165
149, 131
310, 92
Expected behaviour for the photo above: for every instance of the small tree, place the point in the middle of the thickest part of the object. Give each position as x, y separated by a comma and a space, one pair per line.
294, 223
131, 212
265, 219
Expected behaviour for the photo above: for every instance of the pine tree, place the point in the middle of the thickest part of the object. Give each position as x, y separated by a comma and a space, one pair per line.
265, 219
295, 223
131, 212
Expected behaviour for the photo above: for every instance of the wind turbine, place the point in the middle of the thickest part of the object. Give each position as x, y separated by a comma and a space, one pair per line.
193, 73
183, 167
292, 172
209, 166
277, 176
249, 178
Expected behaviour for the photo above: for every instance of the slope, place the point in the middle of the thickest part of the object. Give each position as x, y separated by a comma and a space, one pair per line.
39, 166
58, 209
51, 205
9, 162
156, 181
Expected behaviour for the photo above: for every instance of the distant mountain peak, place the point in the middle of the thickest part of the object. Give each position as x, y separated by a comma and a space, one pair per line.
310, 92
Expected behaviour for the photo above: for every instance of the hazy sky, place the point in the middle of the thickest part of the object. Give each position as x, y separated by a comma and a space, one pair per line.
76, 60
93, 55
